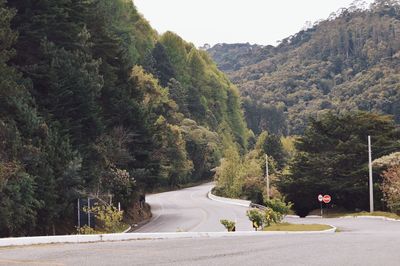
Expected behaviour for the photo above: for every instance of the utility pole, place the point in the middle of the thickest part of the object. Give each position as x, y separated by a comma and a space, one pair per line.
267, 175
371, 184
88, 214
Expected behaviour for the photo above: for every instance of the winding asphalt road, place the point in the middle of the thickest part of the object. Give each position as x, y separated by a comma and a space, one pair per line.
361, 241
190, 210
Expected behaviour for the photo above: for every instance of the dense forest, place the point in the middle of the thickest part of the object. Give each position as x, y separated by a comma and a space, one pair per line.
347, 62
311, 102
95, 103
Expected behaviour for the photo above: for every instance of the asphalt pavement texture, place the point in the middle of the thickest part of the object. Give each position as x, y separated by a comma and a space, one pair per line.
190, 210
360, 241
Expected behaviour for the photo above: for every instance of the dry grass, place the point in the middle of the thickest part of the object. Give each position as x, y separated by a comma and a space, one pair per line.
297, 227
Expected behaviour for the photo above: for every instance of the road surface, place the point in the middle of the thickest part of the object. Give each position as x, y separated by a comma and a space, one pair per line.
360, 241
190, 210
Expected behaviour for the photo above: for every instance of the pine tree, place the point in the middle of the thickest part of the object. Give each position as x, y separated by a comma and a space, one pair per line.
18, 124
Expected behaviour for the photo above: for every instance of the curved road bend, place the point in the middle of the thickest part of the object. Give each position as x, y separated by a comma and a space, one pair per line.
359, 242
190, 210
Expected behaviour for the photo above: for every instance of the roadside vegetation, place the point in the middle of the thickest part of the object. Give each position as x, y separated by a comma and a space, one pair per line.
108, 220
330, 158
94, 103
230, 226
271, 219
297, 227
320, 92
267, 216
390, 173
242, 176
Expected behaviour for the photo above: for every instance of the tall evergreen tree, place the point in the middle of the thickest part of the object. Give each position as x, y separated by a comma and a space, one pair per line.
19, 130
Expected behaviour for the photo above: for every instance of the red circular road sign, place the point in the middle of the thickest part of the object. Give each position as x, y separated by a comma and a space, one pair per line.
320, 198
326, 199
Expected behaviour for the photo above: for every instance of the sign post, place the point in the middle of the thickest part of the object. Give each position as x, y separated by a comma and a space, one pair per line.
326, 199
320, 197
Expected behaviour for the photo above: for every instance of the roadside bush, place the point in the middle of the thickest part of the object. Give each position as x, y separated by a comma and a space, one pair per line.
229, 225
108, 220
256, 217
278, 206
271, 216
86, 230
264, 218
391, 188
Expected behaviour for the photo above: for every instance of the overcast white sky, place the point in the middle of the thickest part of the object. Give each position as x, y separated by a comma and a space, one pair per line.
232, 21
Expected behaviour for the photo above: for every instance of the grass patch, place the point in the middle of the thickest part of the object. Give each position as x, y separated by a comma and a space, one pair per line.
122, 227
297, 227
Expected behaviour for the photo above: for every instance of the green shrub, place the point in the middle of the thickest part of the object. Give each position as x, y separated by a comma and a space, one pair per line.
261, 218
108, 219
278, 206
229, 225
256, 217
86, 230
271, 216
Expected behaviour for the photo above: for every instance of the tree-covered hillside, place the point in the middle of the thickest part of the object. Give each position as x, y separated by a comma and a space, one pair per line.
351, 61
94, 103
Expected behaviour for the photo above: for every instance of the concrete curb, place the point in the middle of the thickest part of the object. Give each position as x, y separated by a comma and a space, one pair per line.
244, 203
330, 231
35, 240
351, 217
313, 216
127, 230
238, 202
370, 217
23, 241
292, 216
